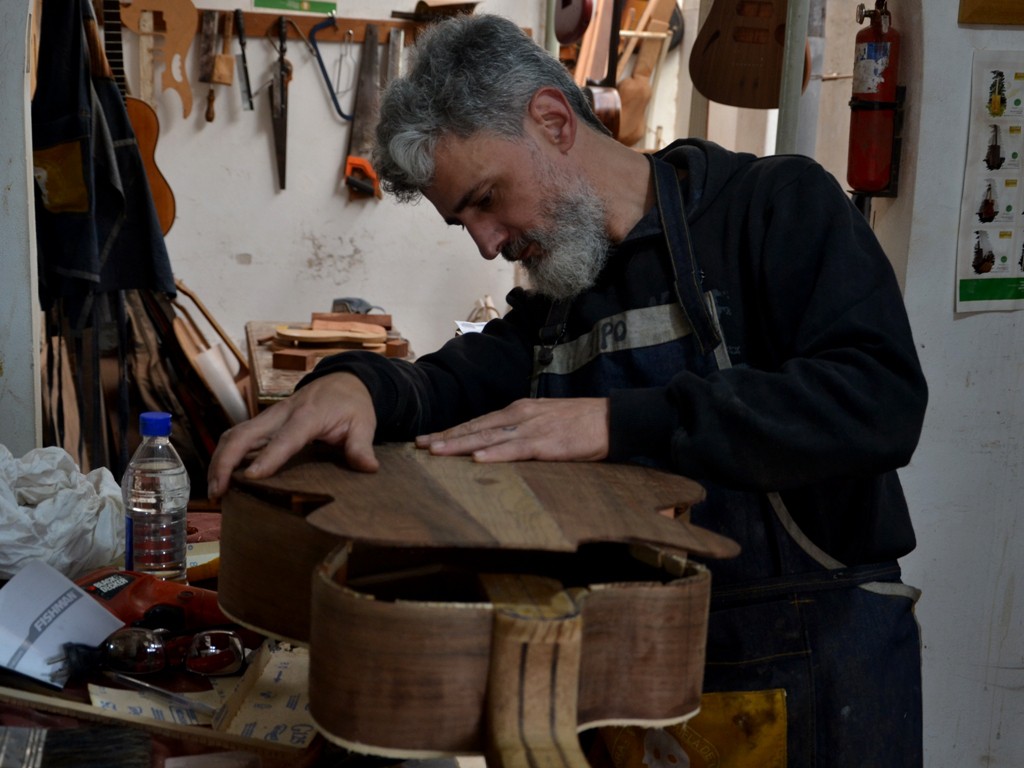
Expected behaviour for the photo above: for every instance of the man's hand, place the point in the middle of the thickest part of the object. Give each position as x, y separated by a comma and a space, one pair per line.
336, 408
559, 429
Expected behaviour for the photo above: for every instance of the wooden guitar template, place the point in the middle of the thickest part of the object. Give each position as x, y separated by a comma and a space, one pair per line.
178, 20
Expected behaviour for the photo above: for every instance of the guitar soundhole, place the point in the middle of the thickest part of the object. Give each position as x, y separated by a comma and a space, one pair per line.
754, 9
753, 35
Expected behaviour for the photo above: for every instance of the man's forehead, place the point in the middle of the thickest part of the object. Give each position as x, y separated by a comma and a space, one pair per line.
462, 164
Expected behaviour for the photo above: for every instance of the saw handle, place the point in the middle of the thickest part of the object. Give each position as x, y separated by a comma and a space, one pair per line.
360, 176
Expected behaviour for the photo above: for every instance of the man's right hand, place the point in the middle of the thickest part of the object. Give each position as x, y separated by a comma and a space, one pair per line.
336, 409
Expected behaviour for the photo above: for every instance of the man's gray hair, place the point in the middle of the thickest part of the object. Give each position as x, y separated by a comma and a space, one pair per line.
468, 73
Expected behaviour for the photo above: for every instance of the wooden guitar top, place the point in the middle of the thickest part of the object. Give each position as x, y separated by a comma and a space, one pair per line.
417, 499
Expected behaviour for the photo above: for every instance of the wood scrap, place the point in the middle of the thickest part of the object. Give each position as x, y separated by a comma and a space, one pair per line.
324, 320
364, 333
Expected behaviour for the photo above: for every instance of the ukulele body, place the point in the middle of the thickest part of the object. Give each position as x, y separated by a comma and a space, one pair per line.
146, 126
142, 116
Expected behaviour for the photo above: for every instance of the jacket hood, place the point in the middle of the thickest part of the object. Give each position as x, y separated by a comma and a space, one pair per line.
709, 167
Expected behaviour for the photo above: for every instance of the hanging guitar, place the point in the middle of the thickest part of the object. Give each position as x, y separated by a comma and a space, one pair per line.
572, 17
603, 96
738, 54
141, 115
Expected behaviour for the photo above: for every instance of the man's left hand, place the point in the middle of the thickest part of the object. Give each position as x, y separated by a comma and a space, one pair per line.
558, 429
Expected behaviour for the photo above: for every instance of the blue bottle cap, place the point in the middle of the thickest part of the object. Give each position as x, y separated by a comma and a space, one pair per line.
155, 424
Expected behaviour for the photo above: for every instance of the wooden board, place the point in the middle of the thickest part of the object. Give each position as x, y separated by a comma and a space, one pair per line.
349, 332
417, 499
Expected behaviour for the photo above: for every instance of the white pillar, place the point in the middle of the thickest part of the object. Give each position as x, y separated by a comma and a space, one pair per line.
20, 409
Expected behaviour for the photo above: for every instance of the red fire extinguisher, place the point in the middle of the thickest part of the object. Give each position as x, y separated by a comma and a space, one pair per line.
874, 103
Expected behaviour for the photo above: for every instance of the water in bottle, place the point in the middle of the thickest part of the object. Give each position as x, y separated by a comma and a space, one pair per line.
155, 488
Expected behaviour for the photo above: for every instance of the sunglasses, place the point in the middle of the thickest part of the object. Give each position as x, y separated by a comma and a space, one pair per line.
141, 651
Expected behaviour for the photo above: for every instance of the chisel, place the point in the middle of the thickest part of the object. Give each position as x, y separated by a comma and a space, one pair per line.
243, 65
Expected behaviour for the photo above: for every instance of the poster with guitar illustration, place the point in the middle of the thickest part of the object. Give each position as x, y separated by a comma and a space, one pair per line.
990, 248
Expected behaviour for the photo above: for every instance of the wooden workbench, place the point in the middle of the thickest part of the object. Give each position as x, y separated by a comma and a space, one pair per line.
270, 384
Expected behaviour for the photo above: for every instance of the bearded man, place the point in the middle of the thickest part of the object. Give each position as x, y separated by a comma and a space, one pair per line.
726, 317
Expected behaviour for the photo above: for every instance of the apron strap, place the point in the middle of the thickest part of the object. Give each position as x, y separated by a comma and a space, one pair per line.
688, 277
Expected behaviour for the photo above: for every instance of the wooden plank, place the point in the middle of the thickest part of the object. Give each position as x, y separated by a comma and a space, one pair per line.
409, 502
399, 504
533, 680
346, 30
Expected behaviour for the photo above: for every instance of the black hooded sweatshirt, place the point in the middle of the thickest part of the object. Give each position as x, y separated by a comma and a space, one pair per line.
824, 398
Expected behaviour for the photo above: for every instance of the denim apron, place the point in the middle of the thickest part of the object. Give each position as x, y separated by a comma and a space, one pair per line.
96, 227
810, 663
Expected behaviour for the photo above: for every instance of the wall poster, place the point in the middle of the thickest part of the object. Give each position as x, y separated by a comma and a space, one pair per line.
991, 12
990, 248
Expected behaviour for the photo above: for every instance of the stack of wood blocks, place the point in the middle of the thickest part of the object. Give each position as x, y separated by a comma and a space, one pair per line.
301, 347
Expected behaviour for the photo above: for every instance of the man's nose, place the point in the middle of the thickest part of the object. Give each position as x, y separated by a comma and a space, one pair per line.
488, 238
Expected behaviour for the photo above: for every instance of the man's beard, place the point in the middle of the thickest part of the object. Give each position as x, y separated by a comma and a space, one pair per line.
574, 246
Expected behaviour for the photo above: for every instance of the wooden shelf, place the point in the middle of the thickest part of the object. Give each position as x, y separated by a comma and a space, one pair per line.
257, 24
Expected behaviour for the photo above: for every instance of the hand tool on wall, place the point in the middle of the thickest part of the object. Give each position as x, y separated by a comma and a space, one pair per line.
223, 62
279, 101
360, 178
207, 52
396, 45
243, 64
330, 21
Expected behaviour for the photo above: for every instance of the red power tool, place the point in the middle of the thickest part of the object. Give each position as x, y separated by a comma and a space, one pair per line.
141, 600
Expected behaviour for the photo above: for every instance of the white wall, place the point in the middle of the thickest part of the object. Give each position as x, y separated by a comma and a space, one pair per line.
19, 306
308, 245
965, 483
253, 252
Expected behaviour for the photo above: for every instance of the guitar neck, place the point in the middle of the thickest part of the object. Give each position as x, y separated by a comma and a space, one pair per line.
112, 44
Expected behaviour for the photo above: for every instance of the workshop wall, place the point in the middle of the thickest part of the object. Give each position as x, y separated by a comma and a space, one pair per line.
966, 481
255, 252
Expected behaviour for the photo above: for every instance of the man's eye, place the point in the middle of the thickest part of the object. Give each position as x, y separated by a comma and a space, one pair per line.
486, 200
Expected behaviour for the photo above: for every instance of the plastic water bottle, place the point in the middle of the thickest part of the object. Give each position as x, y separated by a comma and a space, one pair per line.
155, 488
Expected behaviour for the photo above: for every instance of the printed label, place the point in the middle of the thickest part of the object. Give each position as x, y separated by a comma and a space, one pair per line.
870, 62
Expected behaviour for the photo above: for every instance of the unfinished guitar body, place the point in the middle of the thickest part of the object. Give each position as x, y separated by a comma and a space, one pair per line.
738, 54
404, 654
452, 607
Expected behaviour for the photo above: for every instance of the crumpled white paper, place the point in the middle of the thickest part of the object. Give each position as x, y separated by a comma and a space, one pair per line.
50, 511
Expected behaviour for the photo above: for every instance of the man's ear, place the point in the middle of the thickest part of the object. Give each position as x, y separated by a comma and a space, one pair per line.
551, 113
